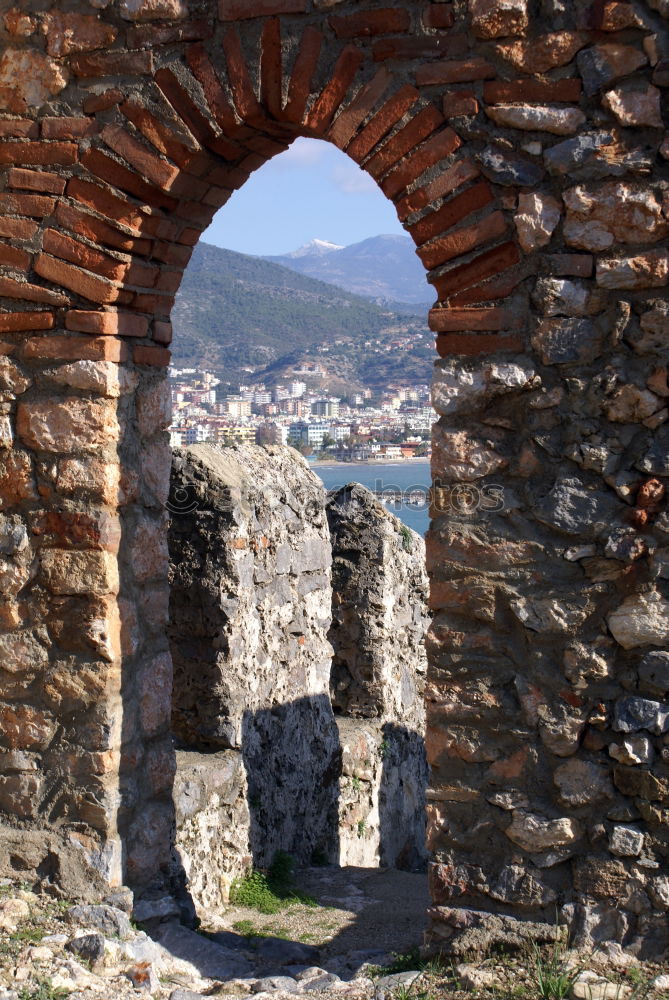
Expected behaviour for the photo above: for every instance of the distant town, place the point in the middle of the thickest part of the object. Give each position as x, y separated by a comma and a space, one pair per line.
389, 425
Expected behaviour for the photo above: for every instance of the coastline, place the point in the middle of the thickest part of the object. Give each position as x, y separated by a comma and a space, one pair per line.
368, 463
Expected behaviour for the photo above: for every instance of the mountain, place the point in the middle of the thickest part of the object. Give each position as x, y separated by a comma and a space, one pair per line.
383, 268
250, 319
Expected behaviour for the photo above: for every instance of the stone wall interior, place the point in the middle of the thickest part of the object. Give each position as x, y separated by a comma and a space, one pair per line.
525, 149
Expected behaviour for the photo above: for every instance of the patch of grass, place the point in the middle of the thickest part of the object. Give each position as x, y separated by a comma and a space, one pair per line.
361, 828
407, 538
42, 990
355, 781
553, 980
270, 891
384, 749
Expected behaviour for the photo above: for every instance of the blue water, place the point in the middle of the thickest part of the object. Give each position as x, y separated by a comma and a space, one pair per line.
399, 475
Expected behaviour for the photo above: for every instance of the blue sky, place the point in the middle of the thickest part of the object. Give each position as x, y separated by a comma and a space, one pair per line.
312, 191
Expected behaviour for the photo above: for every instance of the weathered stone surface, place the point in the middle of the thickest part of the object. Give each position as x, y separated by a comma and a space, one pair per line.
565, 341
460, 931
634, 781
633, 750
634, 105
626, 841
153, 10
459, 386
71, 32
612, 213
535, 833
505, 167
28, 78
534, 118
460, 457
492, 19
573, 508
602, 64
645, 270
592, 155
563, 297
536, 219
543, 53
67, 425
630, 404
641, 619
654, 671
582, 783
633, 713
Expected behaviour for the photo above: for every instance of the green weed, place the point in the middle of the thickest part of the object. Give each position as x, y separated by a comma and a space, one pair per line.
553, 980
270, 891
407, 539
42, 990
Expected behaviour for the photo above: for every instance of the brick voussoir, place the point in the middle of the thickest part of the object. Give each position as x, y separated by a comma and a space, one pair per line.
486, 265
84, 283
443, 320
419, 128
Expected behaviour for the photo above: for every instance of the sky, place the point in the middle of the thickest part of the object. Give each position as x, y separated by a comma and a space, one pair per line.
312, 191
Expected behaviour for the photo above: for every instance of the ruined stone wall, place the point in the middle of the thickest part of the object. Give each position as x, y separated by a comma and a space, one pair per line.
524, 147
249, 616
263, 763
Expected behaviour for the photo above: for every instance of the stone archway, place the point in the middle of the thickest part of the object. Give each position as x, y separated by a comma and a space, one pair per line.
126, 128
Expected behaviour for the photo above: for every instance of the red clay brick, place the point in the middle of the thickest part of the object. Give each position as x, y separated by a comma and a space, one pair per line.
36, 180
12, 289
35, 205
460, 320
160, 135
446, 182
89, 286
324, 108
113, 172
454, 71
13, 257
75, 252
17, 229
454, 211
271, 69
382, 122
170, 253
114, 324
151, 167
187, 110
415, 131
146, 36
489, 291
476, 344
237, 10
112, 63
239, 78
529, 91
304, 68
438, 15
106, 204
484, 266
157, 357
365, 23
68, 128
264, 146
460, 102
15, 322
348, 121
162, 333
62, 154
573, 264
427, 47
168, 281
217, 99
102, 102
435, 149
18, 128
462, 240
158, 305
74, 349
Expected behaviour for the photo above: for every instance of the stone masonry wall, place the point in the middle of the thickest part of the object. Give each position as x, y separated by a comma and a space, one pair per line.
524, 147
249, 615
263, 764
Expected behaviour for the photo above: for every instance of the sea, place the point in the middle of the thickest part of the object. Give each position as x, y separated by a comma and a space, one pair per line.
405, 477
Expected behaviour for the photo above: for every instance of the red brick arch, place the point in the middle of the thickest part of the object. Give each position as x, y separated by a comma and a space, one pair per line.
125, 127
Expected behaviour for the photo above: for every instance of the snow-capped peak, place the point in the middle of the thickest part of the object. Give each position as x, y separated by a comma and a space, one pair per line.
315, 247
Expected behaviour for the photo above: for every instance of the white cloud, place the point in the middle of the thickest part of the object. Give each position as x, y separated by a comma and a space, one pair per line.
302, 153
350, 179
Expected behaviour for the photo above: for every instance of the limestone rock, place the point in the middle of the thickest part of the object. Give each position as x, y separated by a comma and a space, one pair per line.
564, 341
582, 783
502, 166
534, 118
632, 105
613, 213
641, 619
107, 919
70, 32
630, 404
28, 79
626, 841
153, 10
565, 297
654, 671
573, 508
596, 154
644, 270
497, 18
534, 833
473, 979
460, 457
460, 931
602, 64
632, 750
590, 986
634, 713
458, 386
545, 52
536, 219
